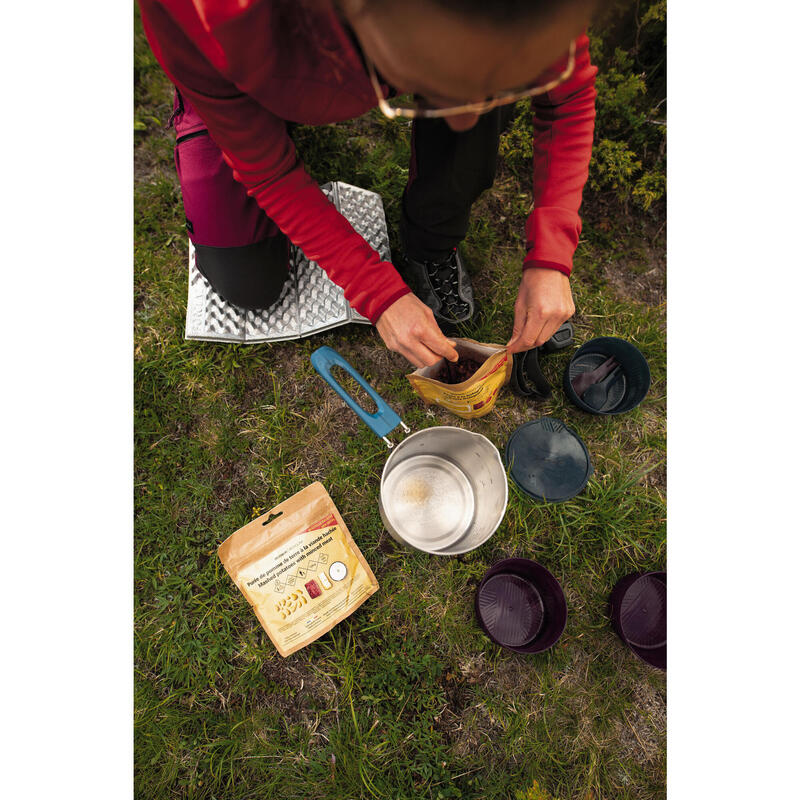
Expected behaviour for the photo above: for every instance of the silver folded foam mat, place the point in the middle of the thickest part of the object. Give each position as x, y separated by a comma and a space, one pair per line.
310, 301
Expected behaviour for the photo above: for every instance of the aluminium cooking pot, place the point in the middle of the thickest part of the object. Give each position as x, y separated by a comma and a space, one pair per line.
443, 489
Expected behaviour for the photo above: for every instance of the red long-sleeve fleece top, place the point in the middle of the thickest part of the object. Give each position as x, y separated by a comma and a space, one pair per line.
249, 66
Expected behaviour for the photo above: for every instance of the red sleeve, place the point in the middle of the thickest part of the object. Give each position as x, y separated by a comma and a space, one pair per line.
256, 145
563, 129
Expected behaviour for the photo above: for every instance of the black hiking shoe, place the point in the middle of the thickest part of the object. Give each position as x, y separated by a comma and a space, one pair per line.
444, 286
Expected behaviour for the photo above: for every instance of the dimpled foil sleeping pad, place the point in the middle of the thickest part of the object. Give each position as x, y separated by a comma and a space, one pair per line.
310, 301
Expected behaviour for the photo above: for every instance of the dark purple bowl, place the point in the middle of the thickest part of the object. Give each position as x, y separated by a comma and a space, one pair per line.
511, 609
548, 589
638, 609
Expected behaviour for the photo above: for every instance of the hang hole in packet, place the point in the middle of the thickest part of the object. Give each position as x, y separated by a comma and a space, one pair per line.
299, 568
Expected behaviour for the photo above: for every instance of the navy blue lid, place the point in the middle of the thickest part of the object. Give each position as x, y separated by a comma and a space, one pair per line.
547, 460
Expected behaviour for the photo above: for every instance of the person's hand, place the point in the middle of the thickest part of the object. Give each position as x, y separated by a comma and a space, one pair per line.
408, 327
544, 303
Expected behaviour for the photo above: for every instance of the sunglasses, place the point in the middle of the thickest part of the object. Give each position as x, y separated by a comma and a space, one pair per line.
413, 110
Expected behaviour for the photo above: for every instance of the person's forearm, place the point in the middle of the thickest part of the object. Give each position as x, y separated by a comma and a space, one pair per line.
302, 211
256, 145
563, 127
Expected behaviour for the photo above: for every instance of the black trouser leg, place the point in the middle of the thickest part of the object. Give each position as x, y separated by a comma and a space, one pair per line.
251, 276
448, 172
239, 250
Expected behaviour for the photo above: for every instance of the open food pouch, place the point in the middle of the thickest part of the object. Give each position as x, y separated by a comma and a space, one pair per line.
468, 388
299, 568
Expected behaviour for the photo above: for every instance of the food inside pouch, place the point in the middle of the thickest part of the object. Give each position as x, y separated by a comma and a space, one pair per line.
299, 568
462, 370
468, 387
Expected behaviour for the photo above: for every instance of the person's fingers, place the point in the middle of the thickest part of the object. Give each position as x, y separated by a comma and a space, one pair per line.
520, 313
429, 333
419, 355
548, 329
531, 329
519, 324
424, 344
535, 330
544, 302
437, 342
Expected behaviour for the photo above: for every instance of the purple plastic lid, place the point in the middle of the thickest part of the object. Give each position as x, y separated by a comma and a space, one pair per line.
638, 606
554, 605
511, 609
643, 613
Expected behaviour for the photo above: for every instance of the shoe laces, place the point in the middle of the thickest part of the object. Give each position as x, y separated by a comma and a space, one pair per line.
443, 276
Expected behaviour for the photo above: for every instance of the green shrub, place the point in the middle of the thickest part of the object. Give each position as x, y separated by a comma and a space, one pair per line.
628, 45
613, 166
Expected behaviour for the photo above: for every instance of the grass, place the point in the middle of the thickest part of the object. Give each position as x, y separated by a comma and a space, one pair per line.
406, 698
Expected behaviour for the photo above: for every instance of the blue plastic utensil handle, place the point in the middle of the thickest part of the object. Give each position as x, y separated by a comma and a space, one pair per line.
385, 419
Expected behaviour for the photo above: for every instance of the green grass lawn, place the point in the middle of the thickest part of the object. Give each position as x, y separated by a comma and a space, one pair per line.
406, 698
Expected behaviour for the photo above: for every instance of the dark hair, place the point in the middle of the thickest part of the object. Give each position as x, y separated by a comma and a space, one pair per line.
501, 11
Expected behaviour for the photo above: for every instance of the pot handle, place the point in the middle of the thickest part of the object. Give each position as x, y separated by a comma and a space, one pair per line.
384, 420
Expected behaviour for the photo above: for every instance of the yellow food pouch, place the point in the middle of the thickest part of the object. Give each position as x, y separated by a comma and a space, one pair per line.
468, 388
299, 568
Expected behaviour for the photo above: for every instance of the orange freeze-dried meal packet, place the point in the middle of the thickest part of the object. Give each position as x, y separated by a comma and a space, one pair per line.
299, 568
